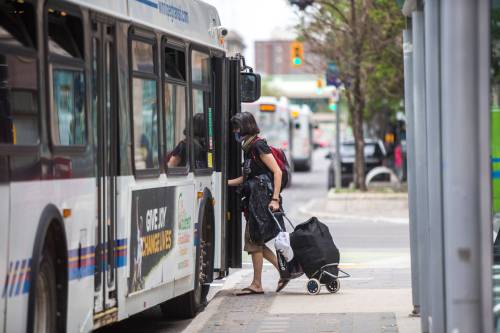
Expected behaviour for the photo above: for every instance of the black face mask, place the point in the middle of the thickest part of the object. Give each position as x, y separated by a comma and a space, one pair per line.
238, 137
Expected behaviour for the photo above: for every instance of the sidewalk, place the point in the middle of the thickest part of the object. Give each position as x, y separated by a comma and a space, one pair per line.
374, 207
376, 298
361, 309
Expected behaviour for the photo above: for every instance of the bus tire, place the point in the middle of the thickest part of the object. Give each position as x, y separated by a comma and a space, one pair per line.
189, 304
49, 270
45, 314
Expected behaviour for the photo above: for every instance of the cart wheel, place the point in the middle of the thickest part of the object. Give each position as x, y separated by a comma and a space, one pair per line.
313, 287
333, 286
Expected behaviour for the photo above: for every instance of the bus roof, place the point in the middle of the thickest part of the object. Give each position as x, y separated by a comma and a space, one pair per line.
193, 20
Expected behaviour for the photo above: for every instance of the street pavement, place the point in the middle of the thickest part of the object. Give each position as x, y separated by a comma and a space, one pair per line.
376, 298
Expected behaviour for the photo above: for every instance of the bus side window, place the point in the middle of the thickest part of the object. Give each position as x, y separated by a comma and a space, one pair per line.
19, 108
66, 68
175, 108
201, 122
144, 105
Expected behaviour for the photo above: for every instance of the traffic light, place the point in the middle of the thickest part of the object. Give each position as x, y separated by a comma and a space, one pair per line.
297, 54
319, 86
302, 4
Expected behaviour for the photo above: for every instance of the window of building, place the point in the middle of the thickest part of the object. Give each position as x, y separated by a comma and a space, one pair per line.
19, 106
144, 106
201, 123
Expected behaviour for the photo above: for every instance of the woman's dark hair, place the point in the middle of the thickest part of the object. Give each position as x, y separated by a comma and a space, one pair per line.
199, 125
246, 123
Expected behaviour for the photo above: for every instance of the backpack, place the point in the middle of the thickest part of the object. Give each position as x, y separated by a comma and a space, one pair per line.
280, 157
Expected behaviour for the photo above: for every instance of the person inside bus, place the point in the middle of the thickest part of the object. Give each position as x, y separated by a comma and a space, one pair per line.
245, 130
177, 157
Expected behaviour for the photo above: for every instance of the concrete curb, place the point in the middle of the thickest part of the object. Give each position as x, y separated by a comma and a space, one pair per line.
307, 210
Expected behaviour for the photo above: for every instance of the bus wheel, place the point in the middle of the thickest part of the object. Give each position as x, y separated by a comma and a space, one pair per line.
45, 320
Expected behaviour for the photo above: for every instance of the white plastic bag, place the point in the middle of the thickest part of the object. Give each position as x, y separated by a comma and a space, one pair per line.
282, 244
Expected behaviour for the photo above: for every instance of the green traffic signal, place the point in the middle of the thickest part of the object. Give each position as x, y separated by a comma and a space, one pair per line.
297, 61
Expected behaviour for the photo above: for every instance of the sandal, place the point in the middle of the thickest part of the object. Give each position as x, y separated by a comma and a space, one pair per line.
282, 284
248, 291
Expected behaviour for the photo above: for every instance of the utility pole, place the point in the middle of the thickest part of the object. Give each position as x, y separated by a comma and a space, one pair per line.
338, 169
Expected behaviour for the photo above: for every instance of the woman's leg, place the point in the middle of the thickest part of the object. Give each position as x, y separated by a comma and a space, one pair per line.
270, 256
257, 262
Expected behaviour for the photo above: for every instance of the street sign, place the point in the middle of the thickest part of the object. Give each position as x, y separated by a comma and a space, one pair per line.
332, 75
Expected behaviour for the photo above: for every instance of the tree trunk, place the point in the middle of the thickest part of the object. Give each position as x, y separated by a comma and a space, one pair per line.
359, 164
357, 124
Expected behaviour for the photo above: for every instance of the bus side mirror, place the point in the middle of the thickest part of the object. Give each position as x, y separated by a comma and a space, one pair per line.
250, 87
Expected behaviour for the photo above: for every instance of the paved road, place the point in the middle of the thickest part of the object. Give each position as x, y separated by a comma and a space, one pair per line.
376, 255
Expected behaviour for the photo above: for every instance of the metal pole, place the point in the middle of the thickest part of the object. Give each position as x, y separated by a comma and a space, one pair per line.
420, 135
408, 73
338, 169
437, 320
465, 102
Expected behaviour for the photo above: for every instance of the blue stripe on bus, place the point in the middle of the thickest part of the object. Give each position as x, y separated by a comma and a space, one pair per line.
84, 251
7, 279
121, 261
13, 279
21, 276
81, 272
495, 159
18, 277
495, 174
27, 279
148, 3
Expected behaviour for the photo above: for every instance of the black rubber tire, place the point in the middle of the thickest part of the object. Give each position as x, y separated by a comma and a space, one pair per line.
334, 286
46, 296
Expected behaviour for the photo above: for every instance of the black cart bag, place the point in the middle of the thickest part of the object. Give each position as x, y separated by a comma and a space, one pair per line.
313, 248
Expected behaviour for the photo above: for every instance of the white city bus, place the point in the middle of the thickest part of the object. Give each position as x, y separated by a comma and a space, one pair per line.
302, 137
273, 118
114, 148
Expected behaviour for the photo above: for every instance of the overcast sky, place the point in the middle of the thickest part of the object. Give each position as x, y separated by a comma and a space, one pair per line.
257, 20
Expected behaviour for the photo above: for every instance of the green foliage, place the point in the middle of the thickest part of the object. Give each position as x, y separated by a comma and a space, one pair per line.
364, 39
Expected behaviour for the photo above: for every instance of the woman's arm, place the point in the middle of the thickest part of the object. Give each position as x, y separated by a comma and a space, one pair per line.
271, 164
235, 181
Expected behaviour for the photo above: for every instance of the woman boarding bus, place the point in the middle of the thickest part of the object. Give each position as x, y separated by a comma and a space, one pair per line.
101, 217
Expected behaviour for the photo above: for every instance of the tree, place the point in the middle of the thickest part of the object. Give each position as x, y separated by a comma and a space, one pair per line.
363, 38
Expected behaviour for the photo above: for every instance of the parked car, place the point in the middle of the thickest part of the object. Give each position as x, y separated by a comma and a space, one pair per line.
375, 154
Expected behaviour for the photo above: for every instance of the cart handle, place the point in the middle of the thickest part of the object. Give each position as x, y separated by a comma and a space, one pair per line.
280, 211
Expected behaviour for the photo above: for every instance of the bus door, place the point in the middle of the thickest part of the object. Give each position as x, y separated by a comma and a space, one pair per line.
233, 168
105, 137
4, 230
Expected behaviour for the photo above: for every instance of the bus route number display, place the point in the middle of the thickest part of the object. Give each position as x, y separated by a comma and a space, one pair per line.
151, 236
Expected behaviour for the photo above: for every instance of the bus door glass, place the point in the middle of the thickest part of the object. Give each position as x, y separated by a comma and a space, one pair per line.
104, 120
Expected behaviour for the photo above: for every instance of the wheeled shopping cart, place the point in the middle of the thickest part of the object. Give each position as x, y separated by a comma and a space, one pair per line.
316, 253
